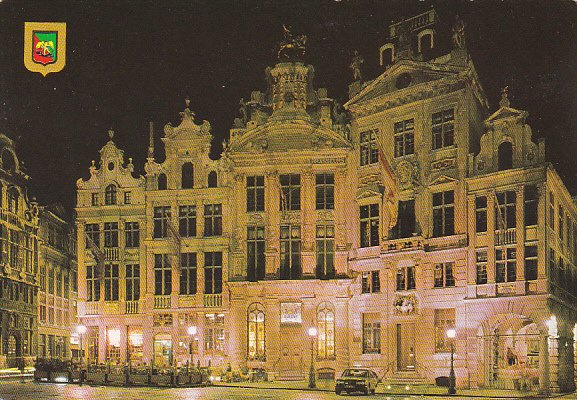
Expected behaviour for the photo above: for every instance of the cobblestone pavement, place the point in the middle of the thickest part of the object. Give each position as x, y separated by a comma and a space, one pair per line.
44, 391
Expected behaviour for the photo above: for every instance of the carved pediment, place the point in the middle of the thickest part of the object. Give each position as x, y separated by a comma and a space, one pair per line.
442, 179
506, 113
404, 74
288, 135
371, 190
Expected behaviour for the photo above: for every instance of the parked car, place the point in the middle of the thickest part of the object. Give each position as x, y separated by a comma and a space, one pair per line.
357, 380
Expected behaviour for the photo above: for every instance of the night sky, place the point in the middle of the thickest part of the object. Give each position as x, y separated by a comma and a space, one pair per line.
136, 61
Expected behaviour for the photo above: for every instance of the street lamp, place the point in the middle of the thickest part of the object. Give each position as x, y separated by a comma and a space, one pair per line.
451, 333
81, 329
192, 333
312, 381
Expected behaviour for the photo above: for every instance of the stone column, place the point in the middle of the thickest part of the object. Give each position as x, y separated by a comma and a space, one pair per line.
472, 228
544, 388
541, 232
520, 233
566, 361
491, 237
308, 226
340, 221
272, 230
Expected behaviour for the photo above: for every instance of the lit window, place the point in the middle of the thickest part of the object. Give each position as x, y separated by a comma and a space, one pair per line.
404, 138
368, 147
256, 332
444, 320
371, 333
326, 331
443, 129
113, 345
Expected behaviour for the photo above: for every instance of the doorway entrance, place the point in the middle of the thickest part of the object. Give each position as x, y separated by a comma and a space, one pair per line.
406, 347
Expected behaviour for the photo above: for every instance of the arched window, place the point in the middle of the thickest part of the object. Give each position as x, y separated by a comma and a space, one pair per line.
256, 350
326, 330
387, 54
505, 156
187, 176
161, 182
110, 195
8, 161
212, 179
13, 196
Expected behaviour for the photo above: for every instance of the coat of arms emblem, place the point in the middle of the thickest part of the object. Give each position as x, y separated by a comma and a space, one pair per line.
44, 46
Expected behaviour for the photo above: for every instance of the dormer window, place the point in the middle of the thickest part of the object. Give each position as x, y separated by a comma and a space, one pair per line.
161, 182
187, 176
94, 199
387, 54
212, 179
505, 156
426, 42
110, 195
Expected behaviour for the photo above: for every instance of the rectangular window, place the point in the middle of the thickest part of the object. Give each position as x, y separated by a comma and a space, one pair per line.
444, 320
132, 234
188, 273
531, 201
290, 192
481, 261
505, 264
561, 224
404, 138
481, 214
443, 213
212, 220
325, 252
93, 234
111, 234
162, 274
443, 275
506, 210
187, 221
214, 334
290, 252
371, 333
254, 193
551, 211
92, 284
443, 128
368, 147
325, 191
132, 282
66, 285
111, 282
161, 219
530, 262
405, 227
127, 197
213, 272
94, 199
406, 278
369, 224
255, 253
370, 282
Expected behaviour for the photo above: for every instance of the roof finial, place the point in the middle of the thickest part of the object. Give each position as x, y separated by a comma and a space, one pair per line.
187, 101
110, 133
505, 97
151, 140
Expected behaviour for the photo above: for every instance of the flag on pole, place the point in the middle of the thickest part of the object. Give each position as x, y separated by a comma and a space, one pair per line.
98, 255
390, 196
177, 239
283, 200
502, 226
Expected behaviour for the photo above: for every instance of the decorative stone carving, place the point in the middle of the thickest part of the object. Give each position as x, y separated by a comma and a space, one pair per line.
326, 215
445, 163
290, 217
408, 174
255, 219
405, 304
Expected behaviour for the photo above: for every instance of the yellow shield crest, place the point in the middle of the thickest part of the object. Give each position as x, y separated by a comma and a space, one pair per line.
44, 46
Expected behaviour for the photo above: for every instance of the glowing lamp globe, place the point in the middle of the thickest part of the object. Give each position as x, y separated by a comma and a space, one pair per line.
81, 329
451, 333
191, 330
312, 331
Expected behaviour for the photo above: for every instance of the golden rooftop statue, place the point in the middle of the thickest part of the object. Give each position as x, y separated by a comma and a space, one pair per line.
291, 46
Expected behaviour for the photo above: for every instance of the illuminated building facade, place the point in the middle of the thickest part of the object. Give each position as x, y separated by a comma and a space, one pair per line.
57, 290
18, 261
292, 228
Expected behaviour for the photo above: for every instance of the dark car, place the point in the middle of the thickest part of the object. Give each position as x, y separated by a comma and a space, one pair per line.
357, 380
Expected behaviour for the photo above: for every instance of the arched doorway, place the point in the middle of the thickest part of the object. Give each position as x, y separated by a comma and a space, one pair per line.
510, 353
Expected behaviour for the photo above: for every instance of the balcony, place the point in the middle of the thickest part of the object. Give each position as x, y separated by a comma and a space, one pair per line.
111, 253
213, 300
92, 308
506, 236
162, 301
131, 307
402, 244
